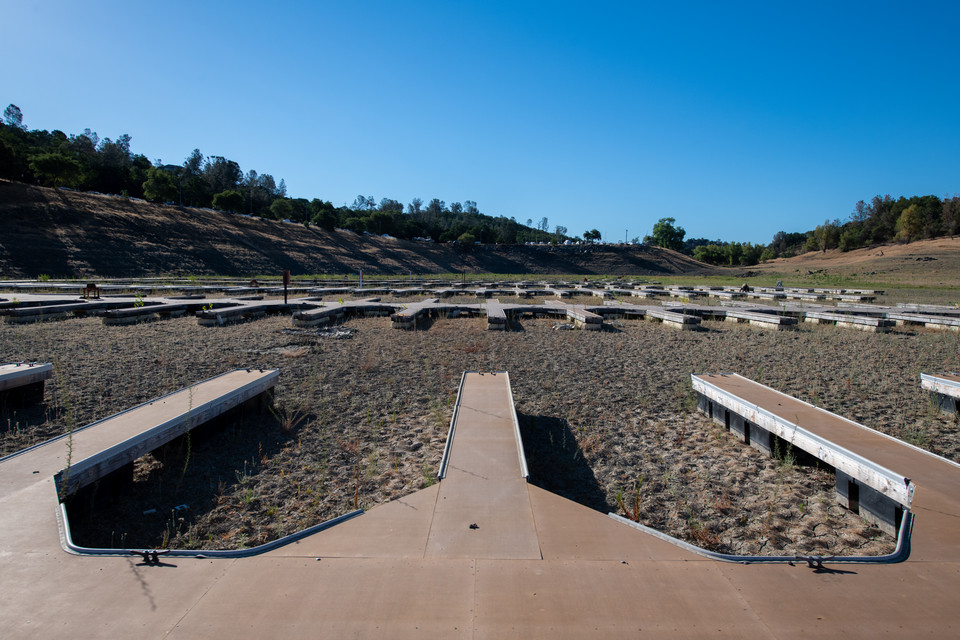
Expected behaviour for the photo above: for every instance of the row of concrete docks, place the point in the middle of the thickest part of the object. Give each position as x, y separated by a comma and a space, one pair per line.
483, 553
603, 288
319, 309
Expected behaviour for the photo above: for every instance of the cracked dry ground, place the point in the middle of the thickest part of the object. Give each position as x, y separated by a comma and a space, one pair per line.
362, 420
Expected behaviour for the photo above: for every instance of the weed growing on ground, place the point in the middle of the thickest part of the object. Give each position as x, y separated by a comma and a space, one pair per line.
701, 534
429, 478
786, 457
289, 419
634, 512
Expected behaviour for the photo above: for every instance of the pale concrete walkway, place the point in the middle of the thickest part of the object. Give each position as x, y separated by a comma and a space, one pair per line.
413, 567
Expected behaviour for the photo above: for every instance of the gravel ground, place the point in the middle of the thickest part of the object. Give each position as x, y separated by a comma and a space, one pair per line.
608, 419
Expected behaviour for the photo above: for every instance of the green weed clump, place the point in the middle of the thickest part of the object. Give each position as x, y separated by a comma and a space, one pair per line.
632, 513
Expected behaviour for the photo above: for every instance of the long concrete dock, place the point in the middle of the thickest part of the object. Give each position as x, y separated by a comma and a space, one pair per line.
932, 484
482, 554
771, 421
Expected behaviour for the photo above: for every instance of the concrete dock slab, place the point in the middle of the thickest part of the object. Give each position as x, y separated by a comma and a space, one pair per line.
22, 374
377, 575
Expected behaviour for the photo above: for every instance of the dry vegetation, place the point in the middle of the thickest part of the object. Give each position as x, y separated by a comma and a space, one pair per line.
362, 420
930, 263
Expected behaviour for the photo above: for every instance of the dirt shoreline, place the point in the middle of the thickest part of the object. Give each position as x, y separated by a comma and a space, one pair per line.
362, 420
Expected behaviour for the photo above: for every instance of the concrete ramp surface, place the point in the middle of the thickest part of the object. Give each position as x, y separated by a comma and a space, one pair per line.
535, 566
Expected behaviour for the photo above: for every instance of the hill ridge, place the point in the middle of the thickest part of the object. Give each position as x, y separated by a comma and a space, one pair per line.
72, 234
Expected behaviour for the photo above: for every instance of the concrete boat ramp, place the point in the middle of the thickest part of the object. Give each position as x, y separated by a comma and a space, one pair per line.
482, 554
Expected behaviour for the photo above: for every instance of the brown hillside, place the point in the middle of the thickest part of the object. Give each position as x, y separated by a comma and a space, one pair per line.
69, 234
933, 263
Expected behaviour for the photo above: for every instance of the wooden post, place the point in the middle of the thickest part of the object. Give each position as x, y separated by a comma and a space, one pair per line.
286, 282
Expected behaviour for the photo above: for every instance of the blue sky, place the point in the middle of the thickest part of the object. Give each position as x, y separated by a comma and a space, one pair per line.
738, 119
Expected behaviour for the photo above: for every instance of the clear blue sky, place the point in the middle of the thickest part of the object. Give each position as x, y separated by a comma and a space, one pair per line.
737, 119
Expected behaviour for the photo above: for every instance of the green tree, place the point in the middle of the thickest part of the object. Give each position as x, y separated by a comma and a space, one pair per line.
734, 253
951, 215
850, 238
750, 254
300, 210
194, 189
592, 235
281, 209
710, 254
388, 205
56, 169
110, 166
825, 236
13, 117
910, 224
323, 214
222, 174
666, 235
229, 200
8, 161
160, 185
355, 224
436, 207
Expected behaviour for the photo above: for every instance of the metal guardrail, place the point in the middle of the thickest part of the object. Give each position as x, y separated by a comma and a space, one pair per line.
899, 554
105, 461
445, 459
101, 421
876, 476
66, 541
524, 472
939, 384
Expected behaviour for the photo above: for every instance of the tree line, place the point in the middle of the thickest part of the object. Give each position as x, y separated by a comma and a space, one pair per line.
882, 220
86, 162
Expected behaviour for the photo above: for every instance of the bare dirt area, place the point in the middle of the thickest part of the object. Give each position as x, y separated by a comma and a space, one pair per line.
362, 412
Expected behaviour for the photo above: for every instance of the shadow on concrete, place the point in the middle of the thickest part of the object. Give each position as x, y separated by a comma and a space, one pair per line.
556, 463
